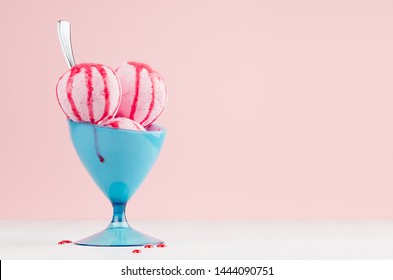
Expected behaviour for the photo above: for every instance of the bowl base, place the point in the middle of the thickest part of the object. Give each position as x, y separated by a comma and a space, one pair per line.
118, 237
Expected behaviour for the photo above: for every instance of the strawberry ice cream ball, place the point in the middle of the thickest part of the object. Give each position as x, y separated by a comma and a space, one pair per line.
144, 94
124, 123
89, 92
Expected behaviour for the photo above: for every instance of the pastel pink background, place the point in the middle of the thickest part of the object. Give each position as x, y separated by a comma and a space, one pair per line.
277, 109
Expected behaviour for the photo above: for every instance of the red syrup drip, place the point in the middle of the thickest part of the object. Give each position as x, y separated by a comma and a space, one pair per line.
64, 242
149, 246
136, 251
162, 245
100, 157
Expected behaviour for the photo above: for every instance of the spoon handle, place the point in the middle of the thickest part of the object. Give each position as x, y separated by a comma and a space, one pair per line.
64, 32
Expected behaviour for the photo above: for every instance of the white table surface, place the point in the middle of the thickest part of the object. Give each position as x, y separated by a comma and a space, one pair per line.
273, 240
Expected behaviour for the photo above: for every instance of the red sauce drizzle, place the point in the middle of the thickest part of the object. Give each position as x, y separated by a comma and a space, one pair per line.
89, 85
138, 69
153, 96
136, 251
74, 70
104, 76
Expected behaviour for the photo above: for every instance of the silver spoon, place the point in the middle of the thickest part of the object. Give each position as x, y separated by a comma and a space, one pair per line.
64, 32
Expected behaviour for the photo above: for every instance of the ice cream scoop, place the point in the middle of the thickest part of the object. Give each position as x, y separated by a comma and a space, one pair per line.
124, 123
89, 92
144, 94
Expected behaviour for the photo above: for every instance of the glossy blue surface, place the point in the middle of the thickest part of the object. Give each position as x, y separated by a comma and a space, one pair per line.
118, 161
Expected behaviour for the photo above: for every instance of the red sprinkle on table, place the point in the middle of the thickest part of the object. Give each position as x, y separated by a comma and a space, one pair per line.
64, 242
149, 246
136, 251
161, 245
